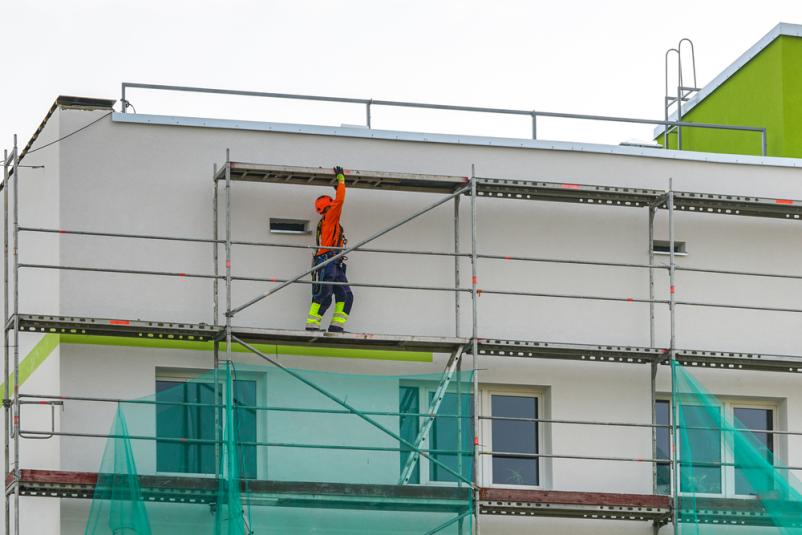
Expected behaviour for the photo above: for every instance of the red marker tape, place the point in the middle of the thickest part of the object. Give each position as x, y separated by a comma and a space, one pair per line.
570, 186
784, 201
474, 279
673, 290
475, 441
119, 322
630, 300
228, 263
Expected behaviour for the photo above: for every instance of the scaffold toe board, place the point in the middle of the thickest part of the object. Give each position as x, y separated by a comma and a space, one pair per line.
322, 176
739, 511
591, 505
556, 350
711, 203
726, 360
434, 344
189, 489
115, 327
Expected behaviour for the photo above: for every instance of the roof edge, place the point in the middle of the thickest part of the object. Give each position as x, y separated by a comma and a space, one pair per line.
394, 135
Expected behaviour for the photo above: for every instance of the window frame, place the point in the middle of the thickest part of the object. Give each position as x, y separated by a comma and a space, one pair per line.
727, 455
486, 436
189, 374
425, 389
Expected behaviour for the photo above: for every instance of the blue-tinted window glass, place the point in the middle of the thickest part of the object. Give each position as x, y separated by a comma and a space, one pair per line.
408, 425
195, 421
663, 417
700, 450
751, 447
443, 436
515, 436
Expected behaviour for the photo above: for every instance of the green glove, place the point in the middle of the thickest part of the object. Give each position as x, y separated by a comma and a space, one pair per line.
340, 173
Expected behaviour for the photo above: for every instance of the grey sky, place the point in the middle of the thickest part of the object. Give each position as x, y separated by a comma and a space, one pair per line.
575, 56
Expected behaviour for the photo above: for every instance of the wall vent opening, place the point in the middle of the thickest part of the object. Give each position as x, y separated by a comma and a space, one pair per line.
280, 225
664, 247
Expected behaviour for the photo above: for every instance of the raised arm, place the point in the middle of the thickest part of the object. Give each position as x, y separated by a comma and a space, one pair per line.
333, 214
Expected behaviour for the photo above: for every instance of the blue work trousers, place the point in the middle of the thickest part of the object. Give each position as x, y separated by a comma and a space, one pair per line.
334, 272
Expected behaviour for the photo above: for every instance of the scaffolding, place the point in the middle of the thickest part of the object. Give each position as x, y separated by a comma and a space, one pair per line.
655, 508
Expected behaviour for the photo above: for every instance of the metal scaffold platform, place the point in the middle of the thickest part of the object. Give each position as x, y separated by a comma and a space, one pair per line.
222, 335
194, 490
522, 189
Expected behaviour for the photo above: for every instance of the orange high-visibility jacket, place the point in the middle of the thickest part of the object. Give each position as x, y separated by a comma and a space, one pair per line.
329, 230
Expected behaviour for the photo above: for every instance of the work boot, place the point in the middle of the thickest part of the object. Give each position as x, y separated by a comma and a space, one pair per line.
314, 317
339, 319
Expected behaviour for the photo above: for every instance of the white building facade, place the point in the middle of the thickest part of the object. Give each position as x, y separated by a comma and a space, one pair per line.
586, 332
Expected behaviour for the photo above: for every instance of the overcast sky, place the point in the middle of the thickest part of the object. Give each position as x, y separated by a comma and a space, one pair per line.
580, 56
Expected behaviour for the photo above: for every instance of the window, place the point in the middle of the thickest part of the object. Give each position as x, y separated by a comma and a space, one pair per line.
751, 480
188, 413
737, 476
289, 226
443, 439
514, 436
662, 411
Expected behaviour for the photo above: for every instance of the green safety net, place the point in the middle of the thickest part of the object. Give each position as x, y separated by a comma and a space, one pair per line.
731, 478
260, 450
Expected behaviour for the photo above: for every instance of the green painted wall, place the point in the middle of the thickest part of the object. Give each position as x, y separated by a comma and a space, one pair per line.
766, 92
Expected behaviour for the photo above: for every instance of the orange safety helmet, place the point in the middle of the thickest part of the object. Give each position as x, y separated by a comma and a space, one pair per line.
323, 202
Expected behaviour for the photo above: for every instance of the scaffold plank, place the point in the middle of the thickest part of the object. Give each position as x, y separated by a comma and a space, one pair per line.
724, 360
590, 505
709, 203
321, 176
189, 489
434, 344
114, 327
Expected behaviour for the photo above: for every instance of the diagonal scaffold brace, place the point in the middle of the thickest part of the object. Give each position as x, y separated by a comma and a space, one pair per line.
342, 253
431, 413
352, 410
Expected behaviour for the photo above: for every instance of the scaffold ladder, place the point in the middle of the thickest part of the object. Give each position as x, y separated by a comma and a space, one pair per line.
431, 413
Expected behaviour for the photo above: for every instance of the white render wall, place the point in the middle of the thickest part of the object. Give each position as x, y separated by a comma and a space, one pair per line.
139, 178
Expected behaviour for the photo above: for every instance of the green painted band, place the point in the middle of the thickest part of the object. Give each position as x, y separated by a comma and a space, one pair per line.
44, 348
33, 360
270, 349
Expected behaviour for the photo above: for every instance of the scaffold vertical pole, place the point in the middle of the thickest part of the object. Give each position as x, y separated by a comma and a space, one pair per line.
475, 350
216, 320
460, 438
673, 355
456, 268
6, 414
460, 427
15, 411
655, 362
228, 254
652, 211
215, 251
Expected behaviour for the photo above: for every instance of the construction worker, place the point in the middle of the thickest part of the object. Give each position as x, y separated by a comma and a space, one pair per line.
330, 234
